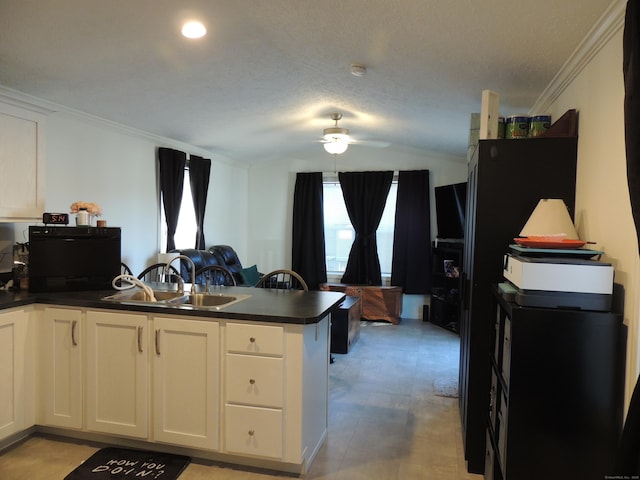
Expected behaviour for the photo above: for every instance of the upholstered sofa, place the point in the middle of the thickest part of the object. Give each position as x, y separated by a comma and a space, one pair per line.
222, 255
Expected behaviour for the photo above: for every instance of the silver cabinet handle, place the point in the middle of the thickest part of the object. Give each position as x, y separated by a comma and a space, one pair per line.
140, 339
157, 341
74, 341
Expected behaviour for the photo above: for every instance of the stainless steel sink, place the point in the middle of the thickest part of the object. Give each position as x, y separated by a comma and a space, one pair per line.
177, 300
138, 296
207, 300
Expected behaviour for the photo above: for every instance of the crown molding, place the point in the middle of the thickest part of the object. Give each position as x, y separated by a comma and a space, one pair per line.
609, 24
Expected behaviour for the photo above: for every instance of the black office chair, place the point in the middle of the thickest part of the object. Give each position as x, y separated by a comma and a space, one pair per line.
155, 273
283, 279
216, 275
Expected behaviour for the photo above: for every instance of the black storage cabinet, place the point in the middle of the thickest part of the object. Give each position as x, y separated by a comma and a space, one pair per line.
506, 180
557, 388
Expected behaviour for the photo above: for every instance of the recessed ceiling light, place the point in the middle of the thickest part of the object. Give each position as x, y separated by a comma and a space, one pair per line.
193, 30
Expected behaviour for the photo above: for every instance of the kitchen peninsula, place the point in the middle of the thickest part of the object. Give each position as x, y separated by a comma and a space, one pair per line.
244, 384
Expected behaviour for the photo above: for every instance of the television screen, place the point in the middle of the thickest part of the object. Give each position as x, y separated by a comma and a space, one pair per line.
451, 201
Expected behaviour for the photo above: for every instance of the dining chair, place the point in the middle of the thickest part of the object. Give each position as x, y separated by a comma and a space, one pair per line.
283, 279
155, 273
215, 275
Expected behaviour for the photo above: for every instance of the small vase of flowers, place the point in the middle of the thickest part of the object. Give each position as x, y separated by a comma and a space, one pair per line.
85, 212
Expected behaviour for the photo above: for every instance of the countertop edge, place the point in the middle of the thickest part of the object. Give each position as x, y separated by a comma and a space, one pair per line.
93, 299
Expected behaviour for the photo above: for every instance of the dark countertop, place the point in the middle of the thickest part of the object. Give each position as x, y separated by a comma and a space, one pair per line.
265, 305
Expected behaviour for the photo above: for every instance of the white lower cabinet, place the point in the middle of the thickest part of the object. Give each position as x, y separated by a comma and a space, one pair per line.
61, 348
16, 379
254, 379
253, 391
117, 373
186, 372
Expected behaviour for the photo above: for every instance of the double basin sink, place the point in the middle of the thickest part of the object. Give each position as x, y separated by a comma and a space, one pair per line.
210, 301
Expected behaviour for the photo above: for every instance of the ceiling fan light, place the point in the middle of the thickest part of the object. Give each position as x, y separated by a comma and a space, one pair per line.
194, 29
336, 146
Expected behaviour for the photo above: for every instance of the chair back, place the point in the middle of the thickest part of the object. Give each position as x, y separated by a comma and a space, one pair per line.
155, 273
283, 279
200, 259
215, 275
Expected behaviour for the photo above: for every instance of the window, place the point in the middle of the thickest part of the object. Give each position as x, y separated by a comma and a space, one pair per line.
185, 236
339, 233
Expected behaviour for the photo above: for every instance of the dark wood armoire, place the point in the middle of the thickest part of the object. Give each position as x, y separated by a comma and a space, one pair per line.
506, 180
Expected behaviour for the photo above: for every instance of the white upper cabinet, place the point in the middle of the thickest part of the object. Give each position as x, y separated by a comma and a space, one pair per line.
22, 164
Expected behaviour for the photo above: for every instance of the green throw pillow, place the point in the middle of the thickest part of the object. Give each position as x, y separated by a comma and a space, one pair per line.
250, 275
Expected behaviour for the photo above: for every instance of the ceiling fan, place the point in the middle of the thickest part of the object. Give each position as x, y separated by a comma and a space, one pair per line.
336, 140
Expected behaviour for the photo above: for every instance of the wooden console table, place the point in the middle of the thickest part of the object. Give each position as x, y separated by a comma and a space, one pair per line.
378, 302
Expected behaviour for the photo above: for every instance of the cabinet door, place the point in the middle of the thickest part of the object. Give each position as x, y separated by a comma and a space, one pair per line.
21, 164
13, 375
186, 374
117, 373
62, 367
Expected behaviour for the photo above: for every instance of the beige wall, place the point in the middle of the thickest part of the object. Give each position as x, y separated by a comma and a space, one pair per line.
603, 212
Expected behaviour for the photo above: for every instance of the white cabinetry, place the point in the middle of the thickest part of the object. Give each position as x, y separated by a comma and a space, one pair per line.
22, 167
16, 372
254, 383
186, 372
61, 347
117, 373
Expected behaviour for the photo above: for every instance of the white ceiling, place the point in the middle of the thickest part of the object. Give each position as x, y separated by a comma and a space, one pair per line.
265, 79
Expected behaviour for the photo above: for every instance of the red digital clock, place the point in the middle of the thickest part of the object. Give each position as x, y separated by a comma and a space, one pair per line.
55, 218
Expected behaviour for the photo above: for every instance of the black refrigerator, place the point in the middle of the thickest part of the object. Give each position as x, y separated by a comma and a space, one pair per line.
506, 180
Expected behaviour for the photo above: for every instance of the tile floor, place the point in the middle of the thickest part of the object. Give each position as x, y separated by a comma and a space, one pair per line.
384, 421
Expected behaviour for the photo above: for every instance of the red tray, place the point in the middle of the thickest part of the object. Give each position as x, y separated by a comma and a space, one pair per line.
545, 242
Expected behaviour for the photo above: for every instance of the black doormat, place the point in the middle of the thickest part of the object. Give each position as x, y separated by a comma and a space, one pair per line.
123, 463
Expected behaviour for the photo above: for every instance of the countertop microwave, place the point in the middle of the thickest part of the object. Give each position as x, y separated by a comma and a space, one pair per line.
66, 258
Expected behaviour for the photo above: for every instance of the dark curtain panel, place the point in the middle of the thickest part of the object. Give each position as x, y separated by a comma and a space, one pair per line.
365, 195
628, 458
411, 261
631, 72
199, 172
308, 253
172, 163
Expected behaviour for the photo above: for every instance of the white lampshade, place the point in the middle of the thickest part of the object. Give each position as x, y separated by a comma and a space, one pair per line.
550, 218
336, 145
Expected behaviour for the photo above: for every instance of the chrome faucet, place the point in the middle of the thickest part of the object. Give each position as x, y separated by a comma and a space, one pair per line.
180, 279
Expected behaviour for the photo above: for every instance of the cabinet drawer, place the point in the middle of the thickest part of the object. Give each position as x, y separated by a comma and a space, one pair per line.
254, 380
253, 431
256, 339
